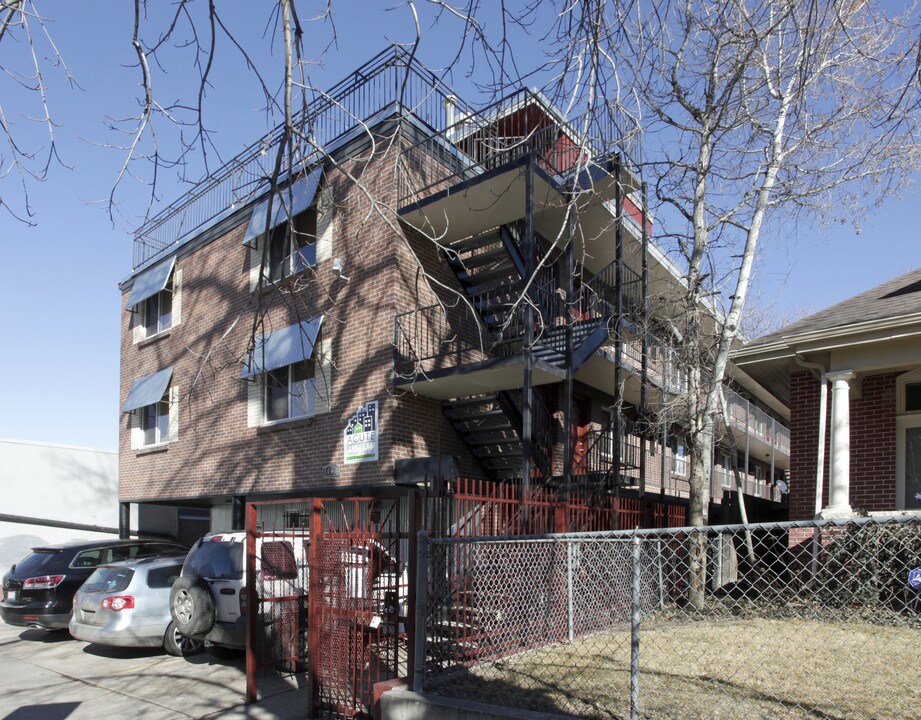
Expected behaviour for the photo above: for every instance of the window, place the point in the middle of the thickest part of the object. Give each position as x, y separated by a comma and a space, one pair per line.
155, 422
289, 392
908, 442
680, 459
157, 313
292, 247
912, 397
156, 300
153, 404
727, 471
288, 374
163, 577
298, 230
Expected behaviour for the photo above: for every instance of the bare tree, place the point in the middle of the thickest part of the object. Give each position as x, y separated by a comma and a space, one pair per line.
736, 114
750, 112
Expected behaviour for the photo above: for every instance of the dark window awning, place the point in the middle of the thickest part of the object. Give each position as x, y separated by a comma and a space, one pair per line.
148, 390
289, 202
283, 347
150, 282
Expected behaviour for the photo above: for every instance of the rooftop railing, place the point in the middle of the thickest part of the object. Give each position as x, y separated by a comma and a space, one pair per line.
521, 123
391, 80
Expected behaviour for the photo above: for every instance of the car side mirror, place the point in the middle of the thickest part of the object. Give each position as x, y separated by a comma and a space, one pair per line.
13, 569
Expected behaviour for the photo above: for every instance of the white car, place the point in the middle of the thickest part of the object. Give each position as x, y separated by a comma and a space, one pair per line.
208, 601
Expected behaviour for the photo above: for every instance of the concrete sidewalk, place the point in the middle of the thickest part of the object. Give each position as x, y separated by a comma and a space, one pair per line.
51, 676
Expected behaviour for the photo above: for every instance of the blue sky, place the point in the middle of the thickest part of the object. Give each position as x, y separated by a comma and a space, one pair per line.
59, 300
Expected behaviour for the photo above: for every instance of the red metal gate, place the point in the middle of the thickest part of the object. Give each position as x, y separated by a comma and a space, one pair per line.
329, 592
358, 607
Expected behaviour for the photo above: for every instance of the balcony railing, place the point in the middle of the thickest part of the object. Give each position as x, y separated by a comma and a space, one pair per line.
521, 123
439, 332
598, 294
390, 80
748, 418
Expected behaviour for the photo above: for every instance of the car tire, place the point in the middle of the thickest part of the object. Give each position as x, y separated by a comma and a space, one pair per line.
179, 645
191, 606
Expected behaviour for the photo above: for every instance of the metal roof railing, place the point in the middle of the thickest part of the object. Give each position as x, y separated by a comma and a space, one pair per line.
392, 79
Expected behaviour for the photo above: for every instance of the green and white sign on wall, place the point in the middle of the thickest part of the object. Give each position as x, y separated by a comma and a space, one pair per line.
360, 437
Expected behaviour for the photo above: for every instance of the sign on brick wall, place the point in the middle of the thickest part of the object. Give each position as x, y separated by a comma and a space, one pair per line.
359, 439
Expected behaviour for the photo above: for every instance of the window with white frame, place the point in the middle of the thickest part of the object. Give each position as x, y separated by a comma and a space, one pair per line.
727, 470
154, 422
156, 300
289, 392
908, 441
911, 397
157, 313
153, 408
680, 459
292, 247
289, 375
295, 235
759, 477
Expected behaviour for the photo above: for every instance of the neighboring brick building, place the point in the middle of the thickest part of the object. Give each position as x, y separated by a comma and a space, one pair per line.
868, 349
362, 337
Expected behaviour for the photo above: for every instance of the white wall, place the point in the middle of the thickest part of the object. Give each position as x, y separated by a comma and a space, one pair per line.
54, 482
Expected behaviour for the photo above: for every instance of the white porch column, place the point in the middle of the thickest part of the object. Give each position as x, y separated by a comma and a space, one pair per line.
840, 459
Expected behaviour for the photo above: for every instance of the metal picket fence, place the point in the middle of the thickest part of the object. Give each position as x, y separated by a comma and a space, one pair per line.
792, 620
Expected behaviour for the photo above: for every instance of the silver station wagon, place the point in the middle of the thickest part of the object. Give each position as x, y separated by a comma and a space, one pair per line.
127, 604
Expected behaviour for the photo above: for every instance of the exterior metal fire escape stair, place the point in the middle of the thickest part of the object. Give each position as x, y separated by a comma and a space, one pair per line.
491, 270
489, 426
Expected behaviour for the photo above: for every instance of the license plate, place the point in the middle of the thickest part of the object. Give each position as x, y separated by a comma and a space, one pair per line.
12, 595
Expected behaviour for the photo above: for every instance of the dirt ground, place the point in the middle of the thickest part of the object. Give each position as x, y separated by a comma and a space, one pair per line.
725, 669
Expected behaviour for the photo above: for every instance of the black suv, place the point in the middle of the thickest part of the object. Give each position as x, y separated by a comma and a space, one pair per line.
39, 591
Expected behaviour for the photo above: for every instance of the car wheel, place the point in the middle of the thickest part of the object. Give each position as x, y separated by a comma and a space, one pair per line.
191, 606
179, 645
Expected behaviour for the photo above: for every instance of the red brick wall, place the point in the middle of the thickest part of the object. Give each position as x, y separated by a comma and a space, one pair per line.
216, 453
804, 434
872, 420
873, 444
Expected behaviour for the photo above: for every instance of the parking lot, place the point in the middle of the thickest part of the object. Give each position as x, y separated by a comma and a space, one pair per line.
51, 676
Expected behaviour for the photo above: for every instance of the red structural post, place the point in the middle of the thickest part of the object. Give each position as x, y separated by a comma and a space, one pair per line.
251, 603
315, 589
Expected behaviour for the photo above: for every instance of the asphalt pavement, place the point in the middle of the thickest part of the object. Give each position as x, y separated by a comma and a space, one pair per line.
51, 676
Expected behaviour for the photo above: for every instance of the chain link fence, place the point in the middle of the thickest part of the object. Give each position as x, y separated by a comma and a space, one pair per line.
792, 620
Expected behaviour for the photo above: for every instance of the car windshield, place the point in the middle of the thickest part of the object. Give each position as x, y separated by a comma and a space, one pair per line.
216, 560
108, 580
39, 562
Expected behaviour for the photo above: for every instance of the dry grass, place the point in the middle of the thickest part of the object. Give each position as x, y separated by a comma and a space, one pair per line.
751, 668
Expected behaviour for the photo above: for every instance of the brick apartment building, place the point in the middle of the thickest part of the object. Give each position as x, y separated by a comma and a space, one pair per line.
858, 447
369, 326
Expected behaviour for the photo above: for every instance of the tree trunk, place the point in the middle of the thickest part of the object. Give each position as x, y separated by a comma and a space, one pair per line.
698, 511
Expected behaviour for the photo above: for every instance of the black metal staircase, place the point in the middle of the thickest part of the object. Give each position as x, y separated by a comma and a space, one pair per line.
491, 270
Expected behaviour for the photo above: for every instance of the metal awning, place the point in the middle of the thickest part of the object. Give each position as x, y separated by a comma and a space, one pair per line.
283, 347
290, 201
150, 282
148, 390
